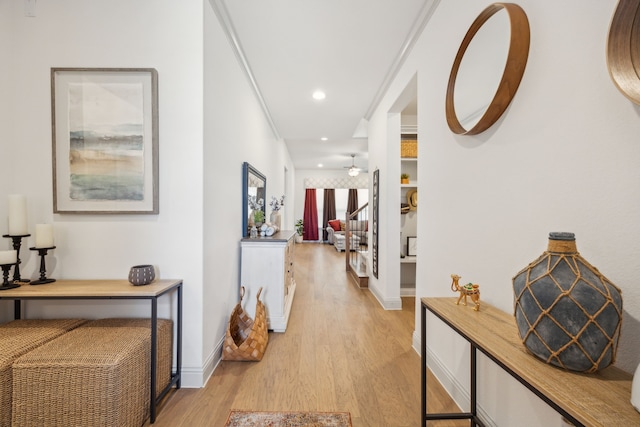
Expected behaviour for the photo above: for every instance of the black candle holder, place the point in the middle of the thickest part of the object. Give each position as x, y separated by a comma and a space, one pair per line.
43, 270
17, 242
6, 284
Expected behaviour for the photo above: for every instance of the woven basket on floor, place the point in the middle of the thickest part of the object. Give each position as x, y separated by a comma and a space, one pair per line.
246, 339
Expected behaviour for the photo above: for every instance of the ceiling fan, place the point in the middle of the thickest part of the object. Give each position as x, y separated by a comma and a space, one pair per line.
353, 169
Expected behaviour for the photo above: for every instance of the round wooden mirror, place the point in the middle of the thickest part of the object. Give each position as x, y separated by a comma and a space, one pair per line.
623, 49
511, 67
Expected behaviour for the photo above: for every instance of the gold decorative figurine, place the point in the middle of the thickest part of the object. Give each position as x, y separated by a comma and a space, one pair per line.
470, 289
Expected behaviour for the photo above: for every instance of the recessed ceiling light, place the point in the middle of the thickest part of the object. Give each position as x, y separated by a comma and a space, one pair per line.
324, 138
319, 95
320, 165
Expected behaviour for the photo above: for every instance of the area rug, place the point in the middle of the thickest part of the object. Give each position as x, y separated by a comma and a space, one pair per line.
288, 419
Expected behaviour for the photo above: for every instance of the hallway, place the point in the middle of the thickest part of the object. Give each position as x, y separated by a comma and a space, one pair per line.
341, 352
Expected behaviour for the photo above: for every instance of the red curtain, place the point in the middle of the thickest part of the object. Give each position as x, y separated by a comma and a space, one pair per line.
310, 215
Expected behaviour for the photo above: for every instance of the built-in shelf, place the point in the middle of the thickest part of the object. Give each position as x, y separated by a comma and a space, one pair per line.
408, 226
408, 218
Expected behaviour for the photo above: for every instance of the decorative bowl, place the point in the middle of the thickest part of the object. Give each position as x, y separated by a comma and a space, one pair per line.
142, 275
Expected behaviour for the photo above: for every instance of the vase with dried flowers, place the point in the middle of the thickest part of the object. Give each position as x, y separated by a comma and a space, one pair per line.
276, 204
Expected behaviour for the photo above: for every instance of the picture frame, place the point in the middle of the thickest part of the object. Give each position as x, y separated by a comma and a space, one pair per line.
412, 245
105, 140
375, 213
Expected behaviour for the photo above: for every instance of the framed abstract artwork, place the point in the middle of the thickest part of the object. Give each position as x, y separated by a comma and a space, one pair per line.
105, 140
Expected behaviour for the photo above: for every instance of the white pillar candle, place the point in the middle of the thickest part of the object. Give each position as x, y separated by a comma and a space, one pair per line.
44, 235
17, 215
8, 257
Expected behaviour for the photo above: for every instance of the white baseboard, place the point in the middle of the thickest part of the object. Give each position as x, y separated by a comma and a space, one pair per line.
198, 377
407, 292
416, 341
456, 390
387, 304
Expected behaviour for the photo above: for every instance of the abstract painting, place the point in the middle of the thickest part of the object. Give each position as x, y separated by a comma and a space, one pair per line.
105, 140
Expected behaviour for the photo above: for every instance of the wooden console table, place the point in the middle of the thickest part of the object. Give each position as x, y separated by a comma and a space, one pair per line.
113, 290
600, 399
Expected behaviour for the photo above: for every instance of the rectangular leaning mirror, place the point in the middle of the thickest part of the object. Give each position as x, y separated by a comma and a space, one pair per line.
254, 192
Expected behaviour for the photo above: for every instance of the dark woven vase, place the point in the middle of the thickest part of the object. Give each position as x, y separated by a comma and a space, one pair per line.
568, 314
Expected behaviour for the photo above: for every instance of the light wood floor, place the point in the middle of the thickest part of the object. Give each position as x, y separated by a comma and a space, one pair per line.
341, 352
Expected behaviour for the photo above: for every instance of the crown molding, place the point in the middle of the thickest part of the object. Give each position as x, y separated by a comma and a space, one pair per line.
423, 17
227, 26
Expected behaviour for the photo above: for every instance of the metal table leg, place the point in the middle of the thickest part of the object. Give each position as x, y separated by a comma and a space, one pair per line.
179, 339
154, 351
423, 363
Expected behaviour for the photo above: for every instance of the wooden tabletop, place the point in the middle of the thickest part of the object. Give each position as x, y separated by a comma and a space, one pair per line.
90, 289
599, 399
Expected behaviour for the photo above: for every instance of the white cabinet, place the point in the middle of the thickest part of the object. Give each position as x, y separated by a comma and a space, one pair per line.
267, 262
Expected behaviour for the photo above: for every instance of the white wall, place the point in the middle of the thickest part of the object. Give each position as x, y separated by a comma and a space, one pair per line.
72, 33
208, 116
384, 154
562, 158
6, 172
235, 131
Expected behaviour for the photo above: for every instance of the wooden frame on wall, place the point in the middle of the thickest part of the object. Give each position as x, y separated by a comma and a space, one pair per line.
516, 62
105, 140
623, 53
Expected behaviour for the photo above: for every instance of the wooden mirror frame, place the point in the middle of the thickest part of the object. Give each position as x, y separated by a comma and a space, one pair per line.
623, 49
511, 76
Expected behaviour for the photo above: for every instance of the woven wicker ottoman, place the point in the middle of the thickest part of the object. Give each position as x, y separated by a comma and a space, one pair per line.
95, 375
18, 338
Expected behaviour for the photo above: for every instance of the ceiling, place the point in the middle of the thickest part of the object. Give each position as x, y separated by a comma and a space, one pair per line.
350, 49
